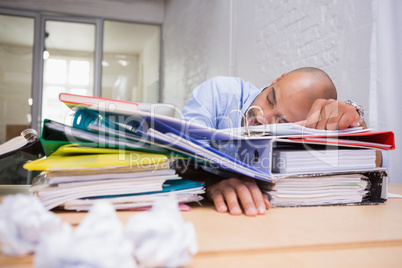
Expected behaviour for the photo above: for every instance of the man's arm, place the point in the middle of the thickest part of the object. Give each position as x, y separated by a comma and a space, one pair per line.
212, 101
331, 115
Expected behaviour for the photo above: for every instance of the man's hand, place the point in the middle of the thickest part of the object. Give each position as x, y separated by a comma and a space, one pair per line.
229, 192
331, 115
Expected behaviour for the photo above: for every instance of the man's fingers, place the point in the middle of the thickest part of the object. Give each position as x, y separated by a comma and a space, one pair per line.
331, 115
350, 118
266, 201
322, 121
332, 123
345, 121
219, 201
314, 115
230, 195
312, 118
257, 197
245, 197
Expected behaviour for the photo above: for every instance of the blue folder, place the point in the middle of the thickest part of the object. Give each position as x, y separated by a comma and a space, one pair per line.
141, 124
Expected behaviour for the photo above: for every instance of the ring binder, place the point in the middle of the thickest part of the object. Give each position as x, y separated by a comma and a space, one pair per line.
246, 124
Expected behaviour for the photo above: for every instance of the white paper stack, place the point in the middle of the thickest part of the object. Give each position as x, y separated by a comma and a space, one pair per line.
287, 161
27, 136
319, 190
125, 188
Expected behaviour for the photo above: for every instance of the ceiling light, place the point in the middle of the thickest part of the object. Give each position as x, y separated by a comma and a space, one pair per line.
123, 63
46, 55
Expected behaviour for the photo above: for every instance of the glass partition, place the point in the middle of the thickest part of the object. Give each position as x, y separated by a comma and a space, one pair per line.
131, 62
16, 52
69, 50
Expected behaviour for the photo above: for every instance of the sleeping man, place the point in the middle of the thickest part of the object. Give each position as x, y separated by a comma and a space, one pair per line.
306, 95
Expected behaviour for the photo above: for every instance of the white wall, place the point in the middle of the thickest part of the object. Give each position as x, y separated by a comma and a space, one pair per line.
259, 40
386, 79
284, 35
195, 42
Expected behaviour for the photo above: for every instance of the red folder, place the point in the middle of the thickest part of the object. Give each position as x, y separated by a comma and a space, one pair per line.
74, 100
384, 140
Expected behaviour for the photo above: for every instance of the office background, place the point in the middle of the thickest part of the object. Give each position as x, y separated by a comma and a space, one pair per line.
356, 42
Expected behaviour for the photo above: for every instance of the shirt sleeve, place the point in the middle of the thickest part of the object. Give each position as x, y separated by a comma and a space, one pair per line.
206, 104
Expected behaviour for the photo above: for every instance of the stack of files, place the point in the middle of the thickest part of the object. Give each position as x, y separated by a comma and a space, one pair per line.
142, 132
225, 153
194, 141
27, 136
74, 177
186, 191
319, 190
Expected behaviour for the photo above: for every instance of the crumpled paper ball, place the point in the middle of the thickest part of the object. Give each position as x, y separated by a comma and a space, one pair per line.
23, 220
98, 241
160, 236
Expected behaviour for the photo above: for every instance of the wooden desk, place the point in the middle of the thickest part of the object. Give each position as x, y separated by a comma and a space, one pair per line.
341, 236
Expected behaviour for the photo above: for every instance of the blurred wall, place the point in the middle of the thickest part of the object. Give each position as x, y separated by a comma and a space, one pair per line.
259, 40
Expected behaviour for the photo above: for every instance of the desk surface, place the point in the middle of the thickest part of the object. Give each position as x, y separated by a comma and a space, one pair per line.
338, 236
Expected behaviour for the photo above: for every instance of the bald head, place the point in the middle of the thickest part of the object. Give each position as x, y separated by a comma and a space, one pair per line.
290, 97
313, 81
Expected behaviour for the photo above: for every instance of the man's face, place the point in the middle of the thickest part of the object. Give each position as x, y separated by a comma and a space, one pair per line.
282, 102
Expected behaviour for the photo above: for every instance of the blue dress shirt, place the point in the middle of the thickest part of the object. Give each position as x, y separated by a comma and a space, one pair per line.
213, 101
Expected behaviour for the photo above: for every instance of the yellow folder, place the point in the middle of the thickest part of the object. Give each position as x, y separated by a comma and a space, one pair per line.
71, 149
105, 158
